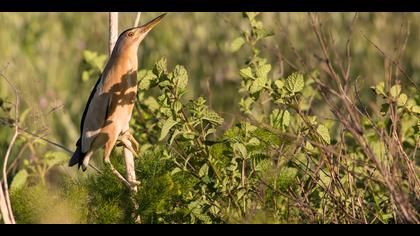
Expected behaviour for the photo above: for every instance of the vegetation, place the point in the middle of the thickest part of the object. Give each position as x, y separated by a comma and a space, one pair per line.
244, 118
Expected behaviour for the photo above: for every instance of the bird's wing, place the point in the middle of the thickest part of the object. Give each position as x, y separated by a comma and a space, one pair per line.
94, 116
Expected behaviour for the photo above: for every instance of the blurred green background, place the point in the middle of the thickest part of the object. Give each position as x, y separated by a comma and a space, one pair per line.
42, 54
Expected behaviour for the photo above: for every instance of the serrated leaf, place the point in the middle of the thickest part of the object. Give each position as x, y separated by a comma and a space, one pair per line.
395, 91
212, 117
263, 70
242, 149
246, 73
294, 83
257, 85
160, 67
237, 43
324, 133
146, 79
167, 125
19, 180
180, 77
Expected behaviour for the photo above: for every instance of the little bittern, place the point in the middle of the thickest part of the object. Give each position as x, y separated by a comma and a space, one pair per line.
110, 105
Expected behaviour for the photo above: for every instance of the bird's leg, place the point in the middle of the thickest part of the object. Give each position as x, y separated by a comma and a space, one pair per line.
107, 153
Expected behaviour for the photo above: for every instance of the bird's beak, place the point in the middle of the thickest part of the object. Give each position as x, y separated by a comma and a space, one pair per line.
151, 24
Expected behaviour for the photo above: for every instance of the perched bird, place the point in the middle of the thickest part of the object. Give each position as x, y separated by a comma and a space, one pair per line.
109, 108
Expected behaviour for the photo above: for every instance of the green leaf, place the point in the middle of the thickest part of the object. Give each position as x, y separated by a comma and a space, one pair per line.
246, 73
415, 109
294, 83
280, 118
395, 91
263, 70
279, 84
203, 170
167, 125
174, 135
257, 85
379, 89
146, 79
19, 180
175, 170
85, 75
160, 67
402, 100
180, 77
323, 132
212, 117
237, 43
242, 149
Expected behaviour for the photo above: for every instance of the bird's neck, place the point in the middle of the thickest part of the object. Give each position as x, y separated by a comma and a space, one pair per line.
129, 62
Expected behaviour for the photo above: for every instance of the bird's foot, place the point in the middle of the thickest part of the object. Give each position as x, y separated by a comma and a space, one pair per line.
128, 143
127, 135
114, 171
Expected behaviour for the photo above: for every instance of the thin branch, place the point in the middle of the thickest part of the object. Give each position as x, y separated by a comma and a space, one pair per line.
9, 149
137, 21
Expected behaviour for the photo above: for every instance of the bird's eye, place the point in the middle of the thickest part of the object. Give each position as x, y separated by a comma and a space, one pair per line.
130, 34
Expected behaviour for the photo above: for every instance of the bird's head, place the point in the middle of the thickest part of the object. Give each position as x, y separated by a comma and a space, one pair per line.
131, 38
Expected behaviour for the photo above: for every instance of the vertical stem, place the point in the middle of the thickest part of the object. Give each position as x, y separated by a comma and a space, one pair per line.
137, 21
128, 156
113, 31
3, 207
5, 194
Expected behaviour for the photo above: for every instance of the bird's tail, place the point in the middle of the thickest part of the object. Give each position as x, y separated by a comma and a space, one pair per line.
77, 158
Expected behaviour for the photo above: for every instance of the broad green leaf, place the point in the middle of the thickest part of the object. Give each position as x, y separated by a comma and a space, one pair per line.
167, 125
379, 89
395, 91
323, 132
294, 83
257, 85
245, 104
152, 104
242, 149
279, 84
180, 77
146, 79
402, 100
263, 70
19, 180
246, 73
415, 109
160, 67
212, 117
237, 43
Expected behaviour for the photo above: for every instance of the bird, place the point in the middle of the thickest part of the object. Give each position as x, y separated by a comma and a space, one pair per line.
109, 107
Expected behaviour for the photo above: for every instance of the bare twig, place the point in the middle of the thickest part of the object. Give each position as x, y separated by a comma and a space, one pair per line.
9, 149
137, 21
